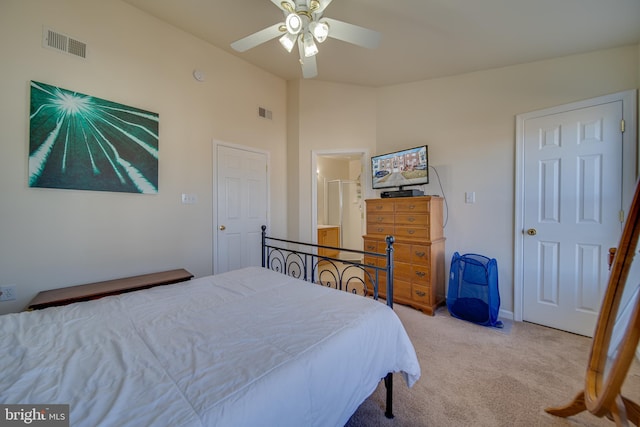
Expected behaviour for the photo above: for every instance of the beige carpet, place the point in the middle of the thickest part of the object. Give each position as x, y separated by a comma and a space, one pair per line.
478, 376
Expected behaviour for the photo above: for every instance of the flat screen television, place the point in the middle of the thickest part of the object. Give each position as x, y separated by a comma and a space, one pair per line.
401, 168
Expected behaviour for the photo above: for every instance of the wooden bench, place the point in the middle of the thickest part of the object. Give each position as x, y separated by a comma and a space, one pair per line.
64, 296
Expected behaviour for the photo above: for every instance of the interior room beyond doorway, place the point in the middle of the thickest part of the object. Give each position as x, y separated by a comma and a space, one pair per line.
339, 202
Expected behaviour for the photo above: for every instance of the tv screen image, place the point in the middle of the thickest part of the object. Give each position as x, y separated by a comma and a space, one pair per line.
401, 168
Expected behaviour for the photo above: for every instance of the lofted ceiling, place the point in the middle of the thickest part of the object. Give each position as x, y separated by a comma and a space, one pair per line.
421, 39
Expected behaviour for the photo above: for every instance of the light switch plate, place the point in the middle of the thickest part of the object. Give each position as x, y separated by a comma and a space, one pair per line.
189, 199
470, 197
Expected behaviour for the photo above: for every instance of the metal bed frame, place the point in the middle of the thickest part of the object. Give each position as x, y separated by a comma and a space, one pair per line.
302, 261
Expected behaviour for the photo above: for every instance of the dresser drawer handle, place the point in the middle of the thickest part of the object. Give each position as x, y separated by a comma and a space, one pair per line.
412, 206
380, 229
411, 219
420, 273
420, 254
411, 231
380, 218
420, 293
371, 247
379, 207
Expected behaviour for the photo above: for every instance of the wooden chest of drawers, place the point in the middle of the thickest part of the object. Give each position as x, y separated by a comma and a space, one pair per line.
416, 224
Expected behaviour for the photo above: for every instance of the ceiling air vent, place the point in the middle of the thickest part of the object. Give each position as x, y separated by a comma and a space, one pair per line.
62, 42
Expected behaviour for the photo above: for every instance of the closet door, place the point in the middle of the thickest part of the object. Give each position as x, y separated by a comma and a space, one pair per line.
572, 204
242, 194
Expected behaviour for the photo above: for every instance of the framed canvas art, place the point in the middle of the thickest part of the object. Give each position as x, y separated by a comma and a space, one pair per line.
81, 142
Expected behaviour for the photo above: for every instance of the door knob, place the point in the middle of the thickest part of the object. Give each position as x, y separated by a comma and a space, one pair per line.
222, 228
532, 232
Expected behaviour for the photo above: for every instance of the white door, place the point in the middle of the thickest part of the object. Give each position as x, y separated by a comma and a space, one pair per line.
242, 194
571, 214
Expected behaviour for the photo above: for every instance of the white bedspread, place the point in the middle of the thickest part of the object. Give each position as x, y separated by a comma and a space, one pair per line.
250, 347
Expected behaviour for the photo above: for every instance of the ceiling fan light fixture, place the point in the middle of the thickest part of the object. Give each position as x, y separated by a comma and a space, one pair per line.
305, 25
309, 45
288, 6
320, 30
293, 23
288, 41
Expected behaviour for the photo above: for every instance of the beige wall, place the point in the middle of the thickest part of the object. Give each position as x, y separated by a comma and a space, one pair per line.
293, 150
51, 238
468, 121
330, 116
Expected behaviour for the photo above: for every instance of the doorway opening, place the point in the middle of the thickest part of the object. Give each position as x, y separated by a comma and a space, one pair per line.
339, 200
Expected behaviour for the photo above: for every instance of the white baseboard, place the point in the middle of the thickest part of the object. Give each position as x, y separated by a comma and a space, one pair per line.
504, 314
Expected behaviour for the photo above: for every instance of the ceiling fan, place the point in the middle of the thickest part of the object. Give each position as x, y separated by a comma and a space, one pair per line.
305, 24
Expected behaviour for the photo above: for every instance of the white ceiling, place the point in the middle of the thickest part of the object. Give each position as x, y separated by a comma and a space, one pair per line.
421, 39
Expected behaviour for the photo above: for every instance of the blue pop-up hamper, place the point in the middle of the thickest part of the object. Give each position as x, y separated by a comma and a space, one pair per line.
473, 293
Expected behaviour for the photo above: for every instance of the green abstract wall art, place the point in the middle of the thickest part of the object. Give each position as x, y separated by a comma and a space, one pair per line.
77, 141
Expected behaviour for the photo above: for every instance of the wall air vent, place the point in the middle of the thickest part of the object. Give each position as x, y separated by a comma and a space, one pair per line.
264, 113
61, 42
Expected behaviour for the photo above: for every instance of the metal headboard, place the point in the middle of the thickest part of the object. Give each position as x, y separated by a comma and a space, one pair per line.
302, 261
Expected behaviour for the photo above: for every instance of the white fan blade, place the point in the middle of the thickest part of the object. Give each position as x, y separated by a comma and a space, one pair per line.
353, 34
309, 65
258, 38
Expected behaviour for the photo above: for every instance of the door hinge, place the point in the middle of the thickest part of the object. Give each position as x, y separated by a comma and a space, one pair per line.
622, 125
621, 216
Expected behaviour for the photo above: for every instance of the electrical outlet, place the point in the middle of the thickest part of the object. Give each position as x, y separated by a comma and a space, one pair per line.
7, 293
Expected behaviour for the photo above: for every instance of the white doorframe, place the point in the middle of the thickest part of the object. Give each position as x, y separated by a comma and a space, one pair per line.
214, 217
365, 181
630, 162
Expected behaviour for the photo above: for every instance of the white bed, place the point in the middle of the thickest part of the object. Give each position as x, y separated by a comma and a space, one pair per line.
251, 347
